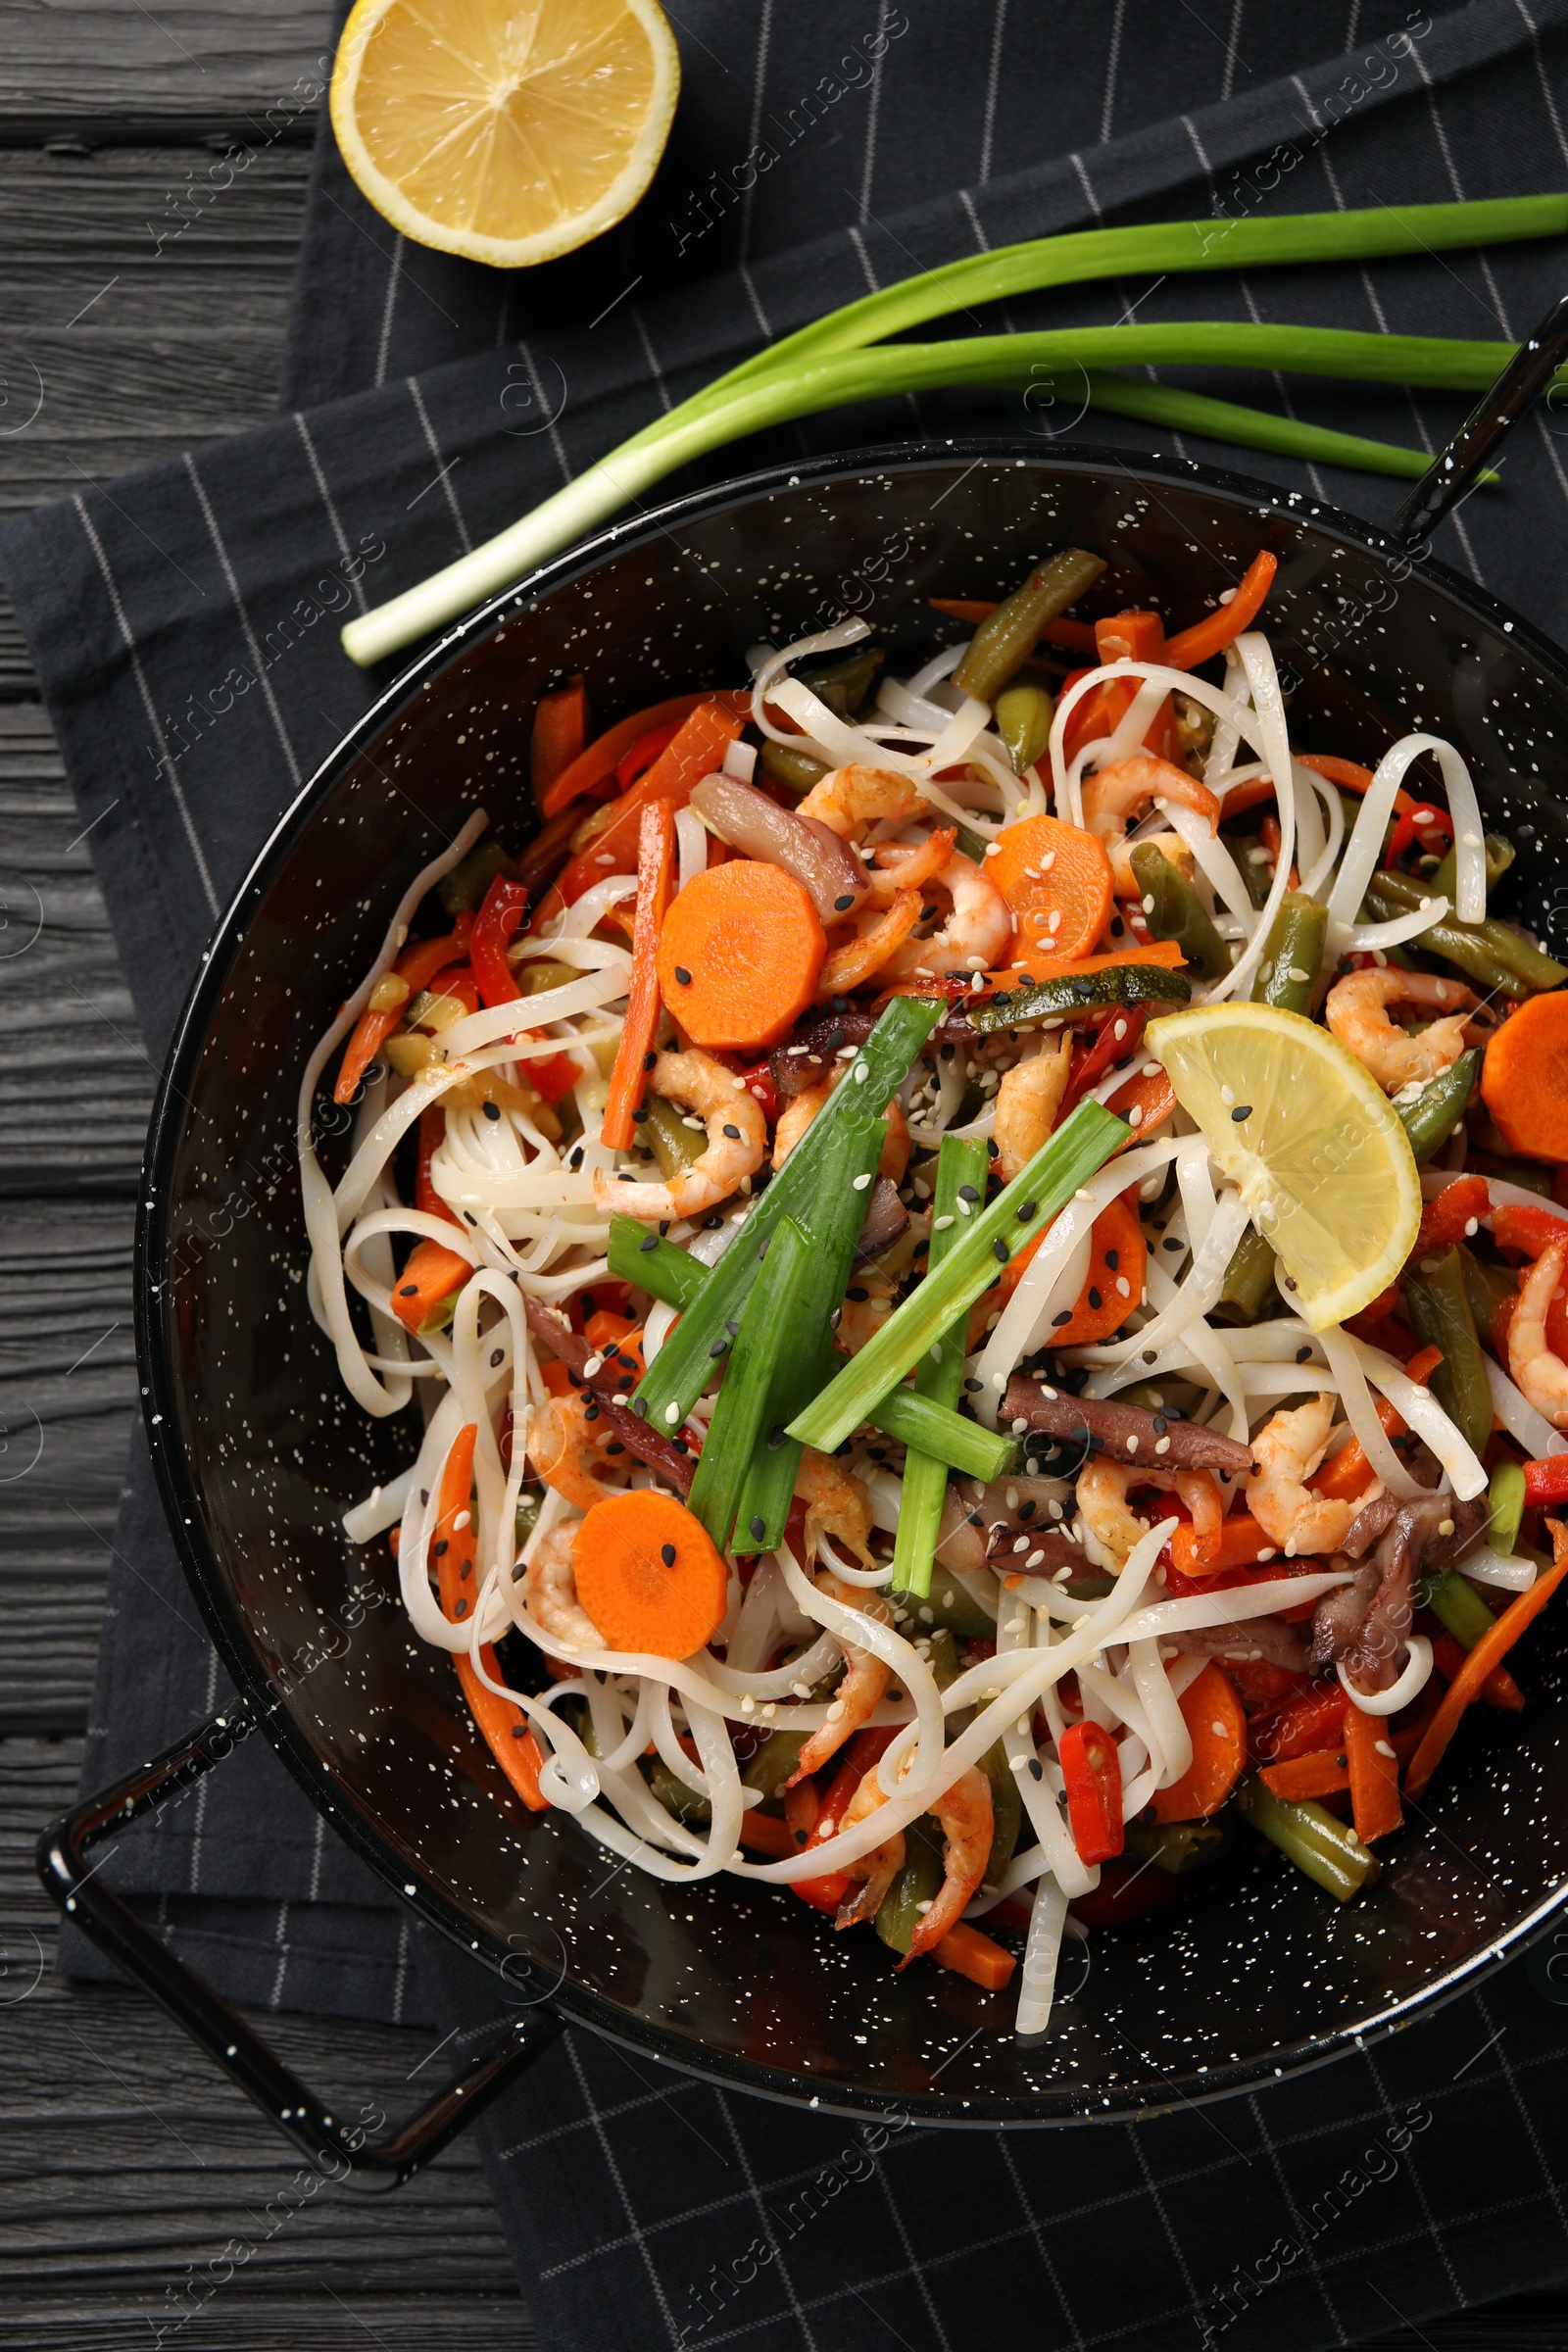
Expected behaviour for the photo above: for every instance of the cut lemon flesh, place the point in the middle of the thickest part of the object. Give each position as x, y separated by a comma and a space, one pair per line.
1310, 1140
509, 135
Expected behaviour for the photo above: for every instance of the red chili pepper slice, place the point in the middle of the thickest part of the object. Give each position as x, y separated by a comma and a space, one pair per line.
1415, 829
1546, 1481
1310, 1719
1107, 1050
759, 1084
825, 1894
501, 913
1091, 1771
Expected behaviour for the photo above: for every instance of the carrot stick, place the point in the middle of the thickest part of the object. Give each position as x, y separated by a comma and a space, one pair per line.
1348, 772
648, 1574
739, 955
415, 969
559, 731
1478, 1662
1213, 1714
605, 754
1349, 1472
1077, 635
1522, 1078
1058, 880
656, 862
1146, 1100
503, 1725
433, 1272
1500, 1690
1323, 1773
1374, 1774
850, 965
1218, 629
969, 1953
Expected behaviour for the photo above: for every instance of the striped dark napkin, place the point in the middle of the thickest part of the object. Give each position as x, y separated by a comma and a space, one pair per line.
184, 631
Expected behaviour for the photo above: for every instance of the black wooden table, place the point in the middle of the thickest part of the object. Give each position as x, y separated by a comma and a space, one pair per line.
126, 2166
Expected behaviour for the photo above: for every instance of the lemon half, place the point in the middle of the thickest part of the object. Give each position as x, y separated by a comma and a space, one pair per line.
507, 135
1310, 1140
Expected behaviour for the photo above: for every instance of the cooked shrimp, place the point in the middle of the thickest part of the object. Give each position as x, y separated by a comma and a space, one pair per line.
868, 1304
1357, 1011
966, 1813
1103, 1490
1287, 1449
875, 1872
802, 1109
737, 1141
1113, 795
550, 1587
868, 1676
977, 934
1542, 1376
837, 1504
1027, 1102
851, 798
906, 864
561, 1446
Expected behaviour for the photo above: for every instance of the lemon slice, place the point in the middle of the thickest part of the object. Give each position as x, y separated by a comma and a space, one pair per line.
509, 135
1309, 1140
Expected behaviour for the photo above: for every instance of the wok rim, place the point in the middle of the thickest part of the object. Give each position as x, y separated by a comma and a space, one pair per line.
349, 1815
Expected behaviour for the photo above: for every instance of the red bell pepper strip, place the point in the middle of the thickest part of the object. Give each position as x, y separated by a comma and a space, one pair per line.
503, 1726
1107, 1050
825, 1894
1219, 628
559, 731
416, 966
759, 1084
696, 747
1414, 831
502, 911
1546, 1481
644, 752
655, 868
603, 757
1530, 1230
1311, 1718
1091, 1771
1450, 1215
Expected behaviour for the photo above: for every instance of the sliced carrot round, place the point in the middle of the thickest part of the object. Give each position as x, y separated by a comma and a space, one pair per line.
649, 1575
1524, 1079
1118, 1257
1045, 869
739, 955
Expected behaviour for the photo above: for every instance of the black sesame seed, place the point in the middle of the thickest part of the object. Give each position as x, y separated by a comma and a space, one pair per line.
639, 1114
574, 1156
591, 1413
1095, 1300
650, 1061
663, 1227
649, 1240
683, 975
1243, 1111
492, 1110
859, 1294
471, 1217
842, 906
973, 1385
1026, 1210
712, 1224
999, 1250
1170, 1243
733, 1132
462, 1609
615, 1447
718, 1346
519, 1731
1112, 1259
441, 1548
995, 1149
1159, 1425
464, 1568
758, 1529
966, 1192
1302, 1354
666, 1552
639, 1405
777, 1436
1037, 1770
1027, 1510
497, 1356
1056, 1322
833, 1039
409, 1290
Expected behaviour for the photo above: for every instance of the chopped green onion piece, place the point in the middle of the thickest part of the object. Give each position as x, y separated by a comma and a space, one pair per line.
649, 1263
681, 1371
1506, 1505
741, 1402
938, 1376
1083, 1144
1327, 1849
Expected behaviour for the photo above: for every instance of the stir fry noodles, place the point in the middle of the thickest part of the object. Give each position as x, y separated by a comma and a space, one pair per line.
978, 1262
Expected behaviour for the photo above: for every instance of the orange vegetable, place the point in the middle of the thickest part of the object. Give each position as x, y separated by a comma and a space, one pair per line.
655, 866
605, 1329
1118, 1254
1241, 1543
1163, 952
505, 1727
1144, 1100
433, 1272
1218, 629
1047, 870
766, 1835
969, 1953
1488, 1652
1077, 635
1348, 772
1500, 1690
1324, 1773
1130, 637
1213, 1714
1524, 1078
648, 1574
610, 836
739, 955
559, 731
603, 757
416, 967
1374, 1776
1349, 1473
853, 963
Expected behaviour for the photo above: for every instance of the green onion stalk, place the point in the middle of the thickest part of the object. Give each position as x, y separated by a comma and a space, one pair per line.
828, 364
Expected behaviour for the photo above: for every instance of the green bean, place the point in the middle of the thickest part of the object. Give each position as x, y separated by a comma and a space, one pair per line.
970, 845
796, 770
1178, 1846
1506, 1506
1439, 1309
1006, 639
916, 1885
960, 1162
772, 1760
1328, 1850
1459, 1605
740, 1413
1006, 1811
1486, 1287
941, 1653
684, 1802
955, 1601
1439, 1107
842, 680
1249, 1285
1490, 951
675, 1145
1023, 715
1256, 872
1175, 912
1293, 955
1500, 857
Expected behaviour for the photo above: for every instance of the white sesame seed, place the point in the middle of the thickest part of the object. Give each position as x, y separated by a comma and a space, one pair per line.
938, 1224
860, 1183
672, 1414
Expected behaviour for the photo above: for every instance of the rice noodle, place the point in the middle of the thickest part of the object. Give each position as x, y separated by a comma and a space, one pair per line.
1426, 1418
1037, 1980
1519, 1416
1411, 1683
1345, 1363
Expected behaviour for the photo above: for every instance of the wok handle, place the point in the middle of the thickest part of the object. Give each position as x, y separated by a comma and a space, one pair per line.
332, 2147
1484, 431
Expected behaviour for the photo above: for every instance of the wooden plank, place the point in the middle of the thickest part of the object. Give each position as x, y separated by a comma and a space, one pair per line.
113, 65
